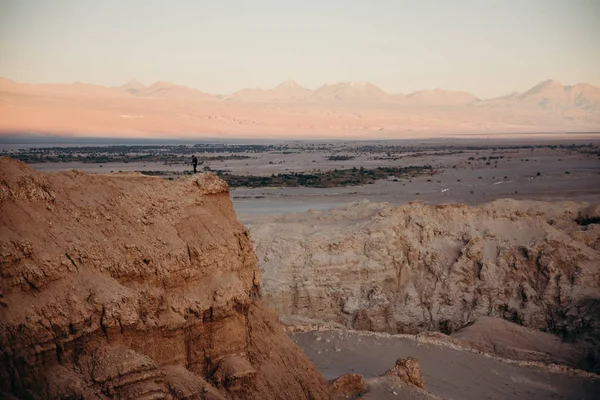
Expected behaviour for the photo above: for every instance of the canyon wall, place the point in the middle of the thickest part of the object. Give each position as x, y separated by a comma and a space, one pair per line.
134, 287
420, 267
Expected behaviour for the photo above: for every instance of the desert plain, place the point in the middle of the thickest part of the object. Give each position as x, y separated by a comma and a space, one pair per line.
310, 235
469, 171
277, 201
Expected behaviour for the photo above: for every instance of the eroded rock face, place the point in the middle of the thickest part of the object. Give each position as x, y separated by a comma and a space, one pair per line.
348, 385
422, 267
126, 286
408, 371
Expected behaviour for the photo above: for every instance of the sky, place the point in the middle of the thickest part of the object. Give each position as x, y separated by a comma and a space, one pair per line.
486, 47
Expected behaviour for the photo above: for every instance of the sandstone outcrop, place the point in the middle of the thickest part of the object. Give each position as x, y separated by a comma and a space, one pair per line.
408, 371
420, 267
348, 385
404, 379
133, 287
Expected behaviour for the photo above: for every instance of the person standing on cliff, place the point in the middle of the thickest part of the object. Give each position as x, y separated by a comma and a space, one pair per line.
194, 163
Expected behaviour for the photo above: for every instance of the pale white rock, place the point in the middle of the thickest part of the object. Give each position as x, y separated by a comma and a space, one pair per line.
421, 267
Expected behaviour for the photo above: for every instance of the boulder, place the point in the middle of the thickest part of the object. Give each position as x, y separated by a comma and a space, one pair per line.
348, 385
408, 371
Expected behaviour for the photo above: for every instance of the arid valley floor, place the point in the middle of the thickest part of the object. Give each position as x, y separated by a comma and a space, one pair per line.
469, 171
278, 200
483, 263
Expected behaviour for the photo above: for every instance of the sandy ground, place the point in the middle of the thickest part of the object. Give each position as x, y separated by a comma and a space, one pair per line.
449, 373
564, 174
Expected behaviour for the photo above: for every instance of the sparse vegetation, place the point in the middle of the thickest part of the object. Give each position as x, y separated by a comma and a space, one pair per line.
117, 154
337, 177
340, 158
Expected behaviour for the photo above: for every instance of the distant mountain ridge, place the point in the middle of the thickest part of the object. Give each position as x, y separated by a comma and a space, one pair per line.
288, 90
341, 110
551, 95
60, 89
439, 97
133, 86
344, 92
169, 90
548, 95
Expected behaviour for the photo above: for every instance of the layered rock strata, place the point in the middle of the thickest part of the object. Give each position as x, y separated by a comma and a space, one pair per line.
133, 287
420, 267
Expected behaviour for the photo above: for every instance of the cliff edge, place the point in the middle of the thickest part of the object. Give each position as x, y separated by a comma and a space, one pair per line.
134, 287
419, 267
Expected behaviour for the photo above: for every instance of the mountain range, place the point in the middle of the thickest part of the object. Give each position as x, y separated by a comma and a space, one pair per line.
546, 95
552, 95
346, 109
286, 91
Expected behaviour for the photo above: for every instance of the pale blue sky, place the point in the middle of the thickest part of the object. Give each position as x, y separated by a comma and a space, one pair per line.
486, 47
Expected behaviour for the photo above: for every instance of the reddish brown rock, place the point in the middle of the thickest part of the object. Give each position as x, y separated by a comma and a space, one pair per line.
348, 385
233, 371
409, 372
130, 286
185, 385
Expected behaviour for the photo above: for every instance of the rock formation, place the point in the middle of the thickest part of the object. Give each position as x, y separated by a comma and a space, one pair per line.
408, 371
509, 340
405, 374
348, 385
133, 287
422, 267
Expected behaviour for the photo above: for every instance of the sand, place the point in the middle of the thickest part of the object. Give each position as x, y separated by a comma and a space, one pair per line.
564, 175
449, 373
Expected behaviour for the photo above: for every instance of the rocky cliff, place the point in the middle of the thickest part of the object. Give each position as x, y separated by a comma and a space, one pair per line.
134, 287
422, 267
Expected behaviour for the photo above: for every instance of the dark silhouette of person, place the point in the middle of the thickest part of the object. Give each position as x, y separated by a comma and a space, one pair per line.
194, 163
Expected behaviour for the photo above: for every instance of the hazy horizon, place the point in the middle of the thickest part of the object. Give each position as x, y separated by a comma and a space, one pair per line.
150, 84
488, 49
